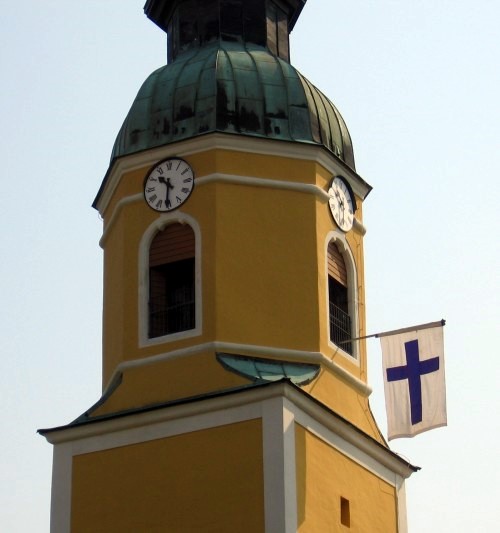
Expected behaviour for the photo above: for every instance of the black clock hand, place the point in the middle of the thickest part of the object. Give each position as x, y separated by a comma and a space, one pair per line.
161, 179
169, 186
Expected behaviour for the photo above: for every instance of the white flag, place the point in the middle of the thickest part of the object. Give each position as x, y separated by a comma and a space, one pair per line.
414, 381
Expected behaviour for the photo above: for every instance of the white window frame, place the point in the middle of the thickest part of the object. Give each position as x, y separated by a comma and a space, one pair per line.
340, 241
158, 225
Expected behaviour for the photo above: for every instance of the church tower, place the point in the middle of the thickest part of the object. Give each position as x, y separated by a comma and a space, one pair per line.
235, 395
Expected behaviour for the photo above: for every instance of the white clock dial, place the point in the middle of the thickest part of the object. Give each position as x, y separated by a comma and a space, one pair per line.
342, 203
168, 184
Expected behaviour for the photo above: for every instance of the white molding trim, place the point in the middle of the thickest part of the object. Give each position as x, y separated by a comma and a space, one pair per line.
252, 350
348, 448
401, 495
128, 200
62, 474
352, 293
358, 227
280, 406
143, 282
309, 188
306, 188
280, 481
364, 451
293, 150
112, 432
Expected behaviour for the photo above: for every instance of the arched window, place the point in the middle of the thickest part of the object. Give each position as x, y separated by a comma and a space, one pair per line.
338, 300
172, 281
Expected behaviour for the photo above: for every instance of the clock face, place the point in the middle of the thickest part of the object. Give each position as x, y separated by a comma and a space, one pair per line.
342, 203
168, 184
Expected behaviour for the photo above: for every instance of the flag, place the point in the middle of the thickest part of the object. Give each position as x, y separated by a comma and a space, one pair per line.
414, 381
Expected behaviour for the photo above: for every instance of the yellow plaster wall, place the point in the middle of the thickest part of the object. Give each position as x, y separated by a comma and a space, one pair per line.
208, 481
265, 166
324, 475
169, 380
339, 396
263, 254
245, 277
266, 267
121, 281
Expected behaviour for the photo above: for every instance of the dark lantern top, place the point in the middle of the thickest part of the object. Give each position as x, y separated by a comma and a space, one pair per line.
195, 23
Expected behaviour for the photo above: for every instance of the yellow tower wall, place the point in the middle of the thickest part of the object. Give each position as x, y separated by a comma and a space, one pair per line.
264, 225
372, 502
266, 458
210, 481
253, 420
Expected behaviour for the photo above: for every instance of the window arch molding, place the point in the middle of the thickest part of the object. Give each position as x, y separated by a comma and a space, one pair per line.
144, 246
339, 240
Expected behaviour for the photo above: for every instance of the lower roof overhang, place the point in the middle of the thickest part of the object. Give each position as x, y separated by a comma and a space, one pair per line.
85, 426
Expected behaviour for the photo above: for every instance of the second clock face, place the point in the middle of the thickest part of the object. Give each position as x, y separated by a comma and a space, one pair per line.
342, 204
168, 184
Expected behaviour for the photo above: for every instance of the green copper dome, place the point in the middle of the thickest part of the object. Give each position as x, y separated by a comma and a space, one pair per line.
233, 88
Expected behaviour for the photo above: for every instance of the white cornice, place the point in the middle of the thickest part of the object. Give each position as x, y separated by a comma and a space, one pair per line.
317, 419
247, 349
280, 407
228, 408
147, 158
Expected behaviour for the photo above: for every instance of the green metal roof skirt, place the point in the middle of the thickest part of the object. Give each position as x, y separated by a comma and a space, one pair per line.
233, 88
265, 370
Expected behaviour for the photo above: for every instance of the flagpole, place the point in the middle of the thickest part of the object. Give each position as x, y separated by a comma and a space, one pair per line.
439, 323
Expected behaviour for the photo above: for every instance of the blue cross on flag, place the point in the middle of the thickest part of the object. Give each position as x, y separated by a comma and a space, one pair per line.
414, 381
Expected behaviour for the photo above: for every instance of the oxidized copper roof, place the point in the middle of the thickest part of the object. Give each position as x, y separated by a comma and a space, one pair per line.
232, 88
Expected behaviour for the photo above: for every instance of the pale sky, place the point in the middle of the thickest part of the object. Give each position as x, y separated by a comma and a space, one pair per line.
418, 84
